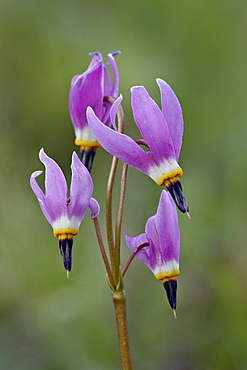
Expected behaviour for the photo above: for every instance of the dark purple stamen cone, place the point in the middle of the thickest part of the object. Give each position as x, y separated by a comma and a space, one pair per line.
176, 191
171, 292
87, 157
65, 246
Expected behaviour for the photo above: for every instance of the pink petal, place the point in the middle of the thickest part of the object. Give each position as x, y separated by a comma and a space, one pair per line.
151, 124
119, 145
55, 188
172, 112
81, 189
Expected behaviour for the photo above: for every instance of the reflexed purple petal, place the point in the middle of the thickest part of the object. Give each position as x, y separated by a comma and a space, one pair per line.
86, 90
35, 187
107, 82
167, 228
113, 111
80, 190
134, 242
111, 87
94, 208
96, 58
172, 112
74, 78
119, 145
154, 242
107, 87
151, 124
55, 187
39, 194
115, 85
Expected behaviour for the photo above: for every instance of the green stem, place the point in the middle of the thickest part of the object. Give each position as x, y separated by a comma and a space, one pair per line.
102, 249
109, 229
132, 256
119, 300
120, 215
118, 293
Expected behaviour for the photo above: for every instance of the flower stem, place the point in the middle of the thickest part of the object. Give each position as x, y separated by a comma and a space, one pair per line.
102, 249
119, 300
118, 293
115, 263
132, 256
109, 229
120, 214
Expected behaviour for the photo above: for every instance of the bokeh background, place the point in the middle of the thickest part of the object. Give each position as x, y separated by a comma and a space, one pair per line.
53, 323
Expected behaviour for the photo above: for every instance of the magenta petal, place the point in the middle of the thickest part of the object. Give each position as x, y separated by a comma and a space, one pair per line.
134, 242
151, 124
154, 242
110, 87
94, 208
167, 228
172, 112
119, 145
115, 84
96, 58
81, 189
107, 82
35, 187
39, 194
55, 188
113, 111
86, 90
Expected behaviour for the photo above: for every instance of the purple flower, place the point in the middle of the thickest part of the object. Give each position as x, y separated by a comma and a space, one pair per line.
162, 237
65, 214
89, 89
162, 131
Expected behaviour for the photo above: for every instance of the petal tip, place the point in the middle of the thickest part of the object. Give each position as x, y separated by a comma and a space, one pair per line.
94, 208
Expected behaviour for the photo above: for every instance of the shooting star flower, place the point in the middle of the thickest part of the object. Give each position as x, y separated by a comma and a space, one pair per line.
65, 214
90, 89
161, 246
162, 131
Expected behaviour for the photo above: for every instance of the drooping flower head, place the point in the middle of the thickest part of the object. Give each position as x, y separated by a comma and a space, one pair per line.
162, 240
162, 131
65, 214
90, 89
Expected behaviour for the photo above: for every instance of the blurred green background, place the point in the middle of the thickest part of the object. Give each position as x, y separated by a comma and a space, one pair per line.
50, 322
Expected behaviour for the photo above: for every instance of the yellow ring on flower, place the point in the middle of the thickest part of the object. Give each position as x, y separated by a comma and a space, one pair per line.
88, 145
166, 276
63, 233
169, 177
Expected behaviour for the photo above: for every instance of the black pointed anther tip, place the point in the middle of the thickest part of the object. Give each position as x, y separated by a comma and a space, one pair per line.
65, 246
176, 191
171, 292
87, 158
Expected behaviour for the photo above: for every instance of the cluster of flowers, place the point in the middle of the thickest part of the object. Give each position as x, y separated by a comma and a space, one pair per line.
93, 105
